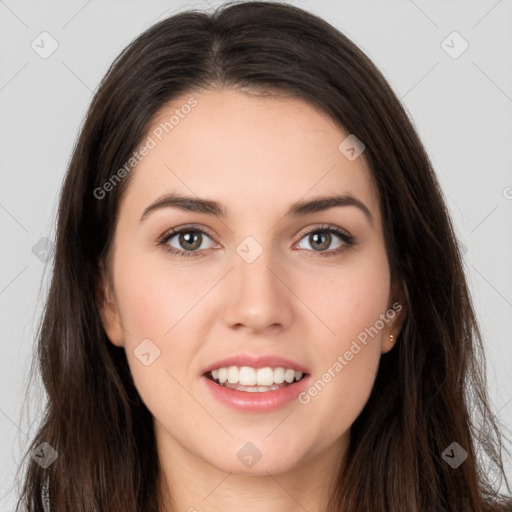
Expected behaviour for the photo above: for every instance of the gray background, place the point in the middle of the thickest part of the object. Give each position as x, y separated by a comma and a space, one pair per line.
461, 107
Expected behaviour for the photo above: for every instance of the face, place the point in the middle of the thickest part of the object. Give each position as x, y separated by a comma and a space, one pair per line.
307, 290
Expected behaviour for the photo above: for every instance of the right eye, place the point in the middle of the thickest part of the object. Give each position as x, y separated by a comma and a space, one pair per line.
190, 239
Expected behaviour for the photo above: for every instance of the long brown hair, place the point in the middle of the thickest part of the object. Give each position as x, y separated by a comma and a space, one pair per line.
430, 390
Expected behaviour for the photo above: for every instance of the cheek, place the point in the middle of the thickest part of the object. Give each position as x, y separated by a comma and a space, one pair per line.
154, 314
348, 300
343, 381
352, 305
154, 299
161, 303
338, 395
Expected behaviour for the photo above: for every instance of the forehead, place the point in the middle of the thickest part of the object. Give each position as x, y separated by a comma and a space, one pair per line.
246, 152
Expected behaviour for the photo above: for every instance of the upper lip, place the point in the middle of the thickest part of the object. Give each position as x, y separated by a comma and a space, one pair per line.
262, 361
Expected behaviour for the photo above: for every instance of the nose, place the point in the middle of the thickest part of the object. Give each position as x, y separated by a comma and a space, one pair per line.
258, 296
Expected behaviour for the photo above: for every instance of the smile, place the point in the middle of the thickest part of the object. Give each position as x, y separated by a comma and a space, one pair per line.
254, 380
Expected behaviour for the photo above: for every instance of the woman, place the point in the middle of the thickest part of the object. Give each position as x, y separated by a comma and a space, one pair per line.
258, 300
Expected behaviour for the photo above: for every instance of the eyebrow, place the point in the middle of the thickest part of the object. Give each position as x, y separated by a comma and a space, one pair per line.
210, 207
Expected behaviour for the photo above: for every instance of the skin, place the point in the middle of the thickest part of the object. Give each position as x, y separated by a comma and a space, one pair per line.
255, 156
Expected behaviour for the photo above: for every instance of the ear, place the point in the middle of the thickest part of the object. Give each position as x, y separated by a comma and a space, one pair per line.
107, 308
396, 314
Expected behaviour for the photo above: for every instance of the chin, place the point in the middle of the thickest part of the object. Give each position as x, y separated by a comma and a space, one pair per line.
248, 459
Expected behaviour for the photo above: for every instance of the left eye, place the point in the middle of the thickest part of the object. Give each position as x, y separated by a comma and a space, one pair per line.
321, 239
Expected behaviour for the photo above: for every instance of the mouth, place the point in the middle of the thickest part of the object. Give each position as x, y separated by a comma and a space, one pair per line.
255, 380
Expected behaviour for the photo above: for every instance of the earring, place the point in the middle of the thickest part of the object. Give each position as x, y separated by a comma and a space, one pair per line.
391, 338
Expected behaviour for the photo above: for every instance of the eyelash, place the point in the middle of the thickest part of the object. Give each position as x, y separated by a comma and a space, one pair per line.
348, 240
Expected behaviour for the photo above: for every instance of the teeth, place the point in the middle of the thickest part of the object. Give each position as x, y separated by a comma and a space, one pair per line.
265, 376
253, 389
247, 376
262, 379
222, 375
289, 375
232, 374
279, 375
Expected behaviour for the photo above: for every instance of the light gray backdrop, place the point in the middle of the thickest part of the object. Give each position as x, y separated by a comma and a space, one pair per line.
54, 53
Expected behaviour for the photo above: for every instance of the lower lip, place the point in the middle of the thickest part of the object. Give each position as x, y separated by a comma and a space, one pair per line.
247, 401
